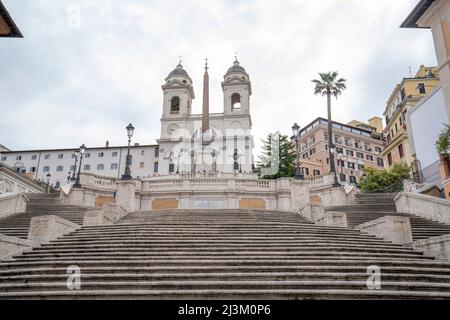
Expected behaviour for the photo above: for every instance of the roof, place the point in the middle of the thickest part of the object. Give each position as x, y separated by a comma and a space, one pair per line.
72, 149
6, 20
236, 68
333, 122
416, 14
179, 71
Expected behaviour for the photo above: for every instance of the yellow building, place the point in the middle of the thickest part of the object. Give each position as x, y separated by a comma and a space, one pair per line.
7, 26
404, 97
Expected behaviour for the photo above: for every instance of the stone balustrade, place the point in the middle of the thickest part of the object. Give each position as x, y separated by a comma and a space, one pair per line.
98, 182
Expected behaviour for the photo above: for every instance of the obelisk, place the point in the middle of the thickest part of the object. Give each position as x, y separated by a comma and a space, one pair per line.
205, 116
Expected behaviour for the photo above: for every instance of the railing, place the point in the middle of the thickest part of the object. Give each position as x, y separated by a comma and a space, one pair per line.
98, 182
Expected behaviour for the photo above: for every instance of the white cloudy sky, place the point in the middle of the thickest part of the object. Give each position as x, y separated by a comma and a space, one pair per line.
62, 86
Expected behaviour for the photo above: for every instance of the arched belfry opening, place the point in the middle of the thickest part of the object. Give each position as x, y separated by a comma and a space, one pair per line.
175, 105
235, 101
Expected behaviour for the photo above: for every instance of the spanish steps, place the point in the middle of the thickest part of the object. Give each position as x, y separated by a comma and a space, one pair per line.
218, 254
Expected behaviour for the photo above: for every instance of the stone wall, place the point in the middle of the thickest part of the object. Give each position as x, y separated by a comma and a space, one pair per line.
425, 206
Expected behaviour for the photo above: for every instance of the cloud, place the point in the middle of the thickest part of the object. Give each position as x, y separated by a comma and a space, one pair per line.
64, 86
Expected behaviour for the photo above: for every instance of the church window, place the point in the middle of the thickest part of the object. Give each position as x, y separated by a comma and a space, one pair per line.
235, 101
157, 152
59, 168
155, 167
171, 168
175, 105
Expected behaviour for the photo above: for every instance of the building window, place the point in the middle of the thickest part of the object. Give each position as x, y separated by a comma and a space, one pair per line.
403, 94
312, 151
361, 167
316, 172
350, 153
171, 167
328, 160
114, 166
3, 158
33, 169
235, 101
157, 152
306, 171
340, 150
400, 151
421, 88
377, 149
155, 167
390, 159
47, 156
175, 105
352, 179
87, 155
72, 168
142, 152
18, 158
369, 157
342, 177
101, 154
59, 168
351, 165
400, 120
360, 155
396, 128
33, 157
60, 156
305, 156
114, 154
380, 162
87, 167
100, 167
388, 138
142, 165
46, 169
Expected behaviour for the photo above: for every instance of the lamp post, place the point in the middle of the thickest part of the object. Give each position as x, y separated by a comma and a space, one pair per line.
127, 174
298, 170
75, 167
332, 148
47, 189
69, 177
82, 151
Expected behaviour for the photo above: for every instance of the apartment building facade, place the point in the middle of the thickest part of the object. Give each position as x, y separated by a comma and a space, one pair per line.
357, 147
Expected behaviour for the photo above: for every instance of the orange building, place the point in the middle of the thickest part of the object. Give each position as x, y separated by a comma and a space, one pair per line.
8, 28
357, 147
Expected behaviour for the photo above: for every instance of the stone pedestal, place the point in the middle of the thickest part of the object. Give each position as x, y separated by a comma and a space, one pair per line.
125, 195
438, 247
81, 197
333, 219
97, 218
299, 196
10, 246
47, 228
393, 228
12, 203
114, 211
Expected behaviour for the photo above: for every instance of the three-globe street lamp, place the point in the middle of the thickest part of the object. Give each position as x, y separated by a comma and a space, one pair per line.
81, 152
332, 148
298, 170
127, 174
47, 189
75, 167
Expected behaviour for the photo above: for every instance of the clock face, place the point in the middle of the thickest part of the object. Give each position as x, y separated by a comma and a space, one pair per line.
171, 129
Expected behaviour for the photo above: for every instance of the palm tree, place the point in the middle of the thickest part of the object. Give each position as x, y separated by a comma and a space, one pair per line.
330, 85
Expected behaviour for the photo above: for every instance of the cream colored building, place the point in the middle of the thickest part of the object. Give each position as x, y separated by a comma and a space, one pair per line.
357, 146
405, 96
435, 15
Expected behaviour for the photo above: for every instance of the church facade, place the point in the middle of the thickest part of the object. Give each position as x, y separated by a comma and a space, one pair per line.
189, 143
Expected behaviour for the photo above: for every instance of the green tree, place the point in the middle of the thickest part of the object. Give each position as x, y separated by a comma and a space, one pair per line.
278, 154
330, 85
443, 142
382, 181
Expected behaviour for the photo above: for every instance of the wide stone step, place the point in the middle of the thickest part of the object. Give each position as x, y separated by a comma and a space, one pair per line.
357, 267
225, 276
224, 285
223, 294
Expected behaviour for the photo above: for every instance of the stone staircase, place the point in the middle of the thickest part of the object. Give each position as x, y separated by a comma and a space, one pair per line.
41, 204
369, 207
223, 254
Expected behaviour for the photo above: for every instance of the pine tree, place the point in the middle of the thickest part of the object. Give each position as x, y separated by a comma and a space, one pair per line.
277, 158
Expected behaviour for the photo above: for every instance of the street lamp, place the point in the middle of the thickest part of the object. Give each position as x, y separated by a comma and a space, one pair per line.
47, 189
127, 174
69, 177
82, 151
298, 170
332, 148
75, 167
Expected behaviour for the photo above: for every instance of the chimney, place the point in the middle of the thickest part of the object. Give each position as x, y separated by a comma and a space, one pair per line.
136, 144
107, 144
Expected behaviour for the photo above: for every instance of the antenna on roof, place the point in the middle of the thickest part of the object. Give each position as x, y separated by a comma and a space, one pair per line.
410, 72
